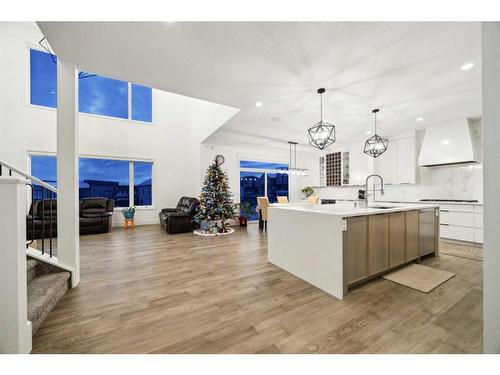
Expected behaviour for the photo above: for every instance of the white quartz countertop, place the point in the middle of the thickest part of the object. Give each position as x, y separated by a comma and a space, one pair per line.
434, 202
347, 209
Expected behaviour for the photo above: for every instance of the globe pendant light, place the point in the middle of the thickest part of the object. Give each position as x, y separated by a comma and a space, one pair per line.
322, 134
376, 145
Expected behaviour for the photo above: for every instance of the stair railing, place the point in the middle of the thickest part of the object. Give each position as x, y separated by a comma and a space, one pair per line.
41, 192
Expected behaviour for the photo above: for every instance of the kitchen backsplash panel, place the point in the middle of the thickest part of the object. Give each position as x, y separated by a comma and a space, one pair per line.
446, 182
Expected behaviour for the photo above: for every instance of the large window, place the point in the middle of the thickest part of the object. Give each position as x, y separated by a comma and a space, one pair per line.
261, 179
43, 79
143, 187
97, 95
103, 96
105, 178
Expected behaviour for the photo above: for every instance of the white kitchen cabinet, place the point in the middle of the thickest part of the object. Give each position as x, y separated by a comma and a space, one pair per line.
465, 219
406, 161
478, 235
398, 164
386, 165
358, 167
462, 222
456, 232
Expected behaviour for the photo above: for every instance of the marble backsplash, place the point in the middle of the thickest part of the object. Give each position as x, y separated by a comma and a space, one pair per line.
445, 182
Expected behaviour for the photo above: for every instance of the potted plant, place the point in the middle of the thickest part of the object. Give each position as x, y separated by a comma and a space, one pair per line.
245, 213
308, 191
128, 213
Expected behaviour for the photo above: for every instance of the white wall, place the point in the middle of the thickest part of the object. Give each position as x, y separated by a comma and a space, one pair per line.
233, 154
491, 156
172, 142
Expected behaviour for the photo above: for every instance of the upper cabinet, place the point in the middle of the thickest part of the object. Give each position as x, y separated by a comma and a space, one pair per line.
406, 161
398, 165
386, 164
351, 167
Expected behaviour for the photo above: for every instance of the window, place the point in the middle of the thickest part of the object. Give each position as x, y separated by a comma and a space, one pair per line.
97, 95
103, 96
44, 168
43, 79
143, 188
106, 178
252, 185
262, 179
142, 103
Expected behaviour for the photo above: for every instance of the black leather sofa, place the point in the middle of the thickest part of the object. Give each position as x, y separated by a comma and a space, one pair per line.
95, 217
181, 218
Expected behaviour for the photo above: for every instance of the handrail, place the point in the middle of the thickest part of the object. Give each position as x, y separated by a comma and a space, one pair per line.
31, 178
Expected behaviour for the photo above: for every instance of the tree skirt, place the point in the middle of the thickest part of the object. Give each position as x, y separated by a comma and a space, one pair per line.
200, 232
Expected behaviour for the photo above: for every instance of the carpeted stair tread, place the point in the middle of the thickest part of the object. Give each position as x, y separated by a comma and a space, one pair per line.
30, 269
44, 292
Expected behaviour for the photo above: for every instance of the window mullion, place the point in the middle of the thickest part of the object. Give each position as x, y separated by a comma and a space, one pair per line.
131, 183
129, 101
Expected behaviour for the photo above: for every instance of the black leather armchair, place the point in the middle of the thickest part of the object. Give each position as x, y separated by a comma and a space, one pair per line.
40, 219
96, 215
181, 218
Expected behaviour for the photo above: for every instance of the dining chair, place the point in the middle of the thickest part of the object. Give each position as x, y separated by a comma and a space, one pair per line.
263, 204
283, 199
314, 199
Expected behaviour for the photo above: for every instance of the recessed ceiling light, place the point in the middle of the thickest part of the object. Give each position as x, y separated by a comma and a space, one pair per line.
467, 66
368, 132
418, 119
445, 142
258, 104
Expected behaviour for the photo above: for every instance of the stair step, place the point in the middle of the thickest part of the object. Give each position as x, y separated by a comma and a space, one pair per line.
30, 269
43, 294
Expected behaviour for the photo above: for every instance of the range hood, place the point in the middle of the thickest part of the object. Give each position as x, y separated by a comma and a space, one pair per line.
454, 143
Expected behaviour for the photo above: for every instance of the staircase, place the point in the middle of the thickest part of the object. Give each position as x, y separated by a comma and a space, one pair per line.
27, 246
46, 286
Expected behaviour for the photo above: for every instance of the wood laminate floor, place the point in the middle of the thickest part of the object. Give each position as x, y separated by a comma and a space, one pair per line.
143, 291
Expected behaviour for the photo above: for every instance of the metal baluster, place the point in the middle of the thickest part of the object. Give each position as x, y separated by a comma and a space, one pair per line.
32, 215
50, 230
43, 221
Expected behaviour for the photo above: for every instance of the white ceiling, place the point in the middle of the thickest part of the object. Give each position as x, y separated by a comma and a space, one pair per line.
408, 70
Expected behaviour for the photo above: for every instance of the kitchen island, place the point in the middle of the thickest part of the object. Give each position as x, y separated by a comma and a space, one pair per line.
336, 247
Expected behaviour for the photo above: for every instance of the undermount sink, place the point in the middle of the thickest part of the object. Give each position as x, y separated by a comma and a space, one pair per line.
382, 207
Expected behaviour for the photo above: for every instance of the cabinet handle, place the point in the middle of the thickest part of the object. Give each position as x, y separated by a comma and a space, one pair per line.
445, 224
444, 210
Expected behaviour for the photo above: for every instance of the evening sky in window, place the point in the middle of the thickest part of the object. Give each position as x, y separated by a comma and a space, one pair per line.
106, 178
98, 95
262, 165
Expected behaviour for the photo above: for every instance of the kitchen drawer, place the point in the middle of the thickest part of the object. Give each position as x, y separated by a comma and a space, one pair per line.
478, 220
478, 235
478, 208
465, 219
456, 207
455, 232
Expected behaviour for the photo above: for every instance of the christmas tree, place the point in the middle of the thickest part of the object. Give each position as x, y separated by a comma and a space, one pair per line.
216, 204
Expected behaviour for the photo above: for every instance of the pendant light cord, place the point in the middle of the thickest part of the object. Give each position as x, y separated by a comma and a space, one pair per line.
375, 123
321, 106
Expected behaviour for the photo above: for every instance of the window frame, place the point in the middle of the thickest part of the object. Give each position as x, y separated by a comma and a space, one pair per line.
129, 120
131, 174
258, 170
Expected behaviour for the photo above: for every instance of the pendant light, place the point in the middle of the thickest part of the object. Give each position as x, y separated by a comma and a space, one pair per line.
292, 167
322, 134
376, 145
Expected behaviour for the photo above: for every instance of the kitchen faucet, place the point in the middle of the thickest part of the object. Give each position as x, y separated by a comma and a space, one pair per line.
366, 187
